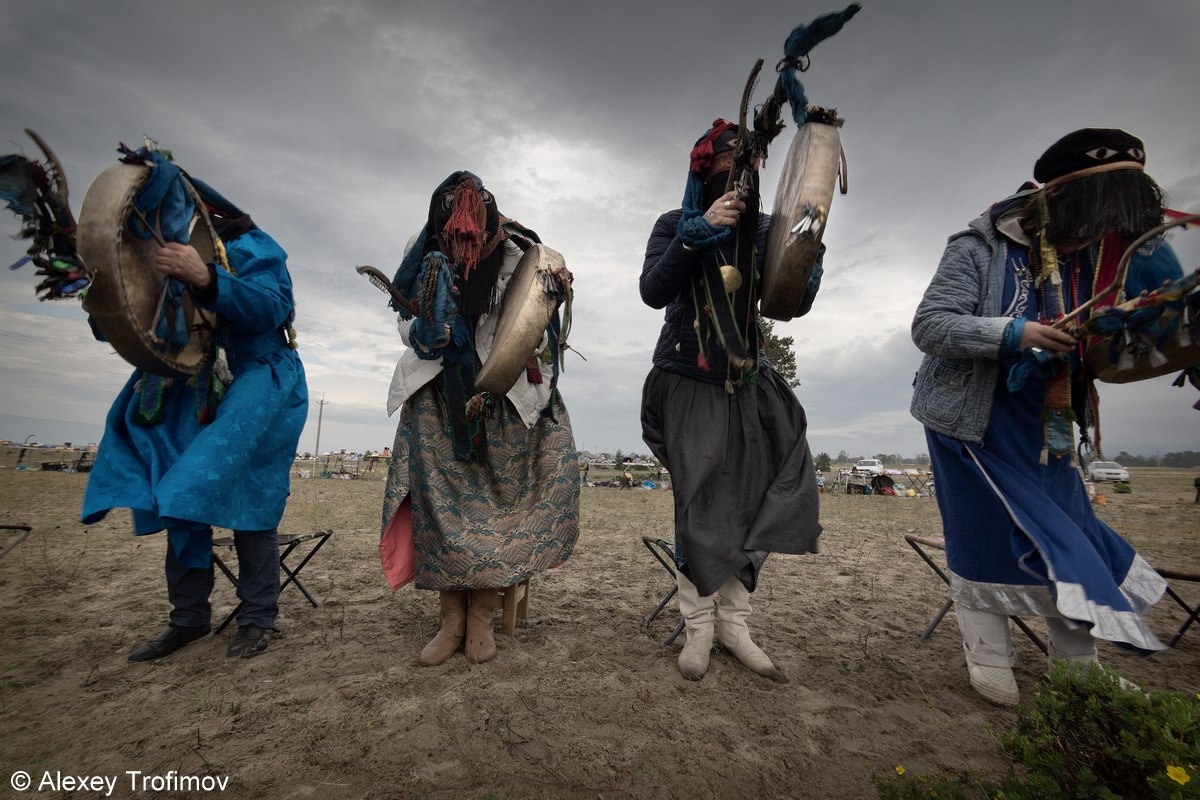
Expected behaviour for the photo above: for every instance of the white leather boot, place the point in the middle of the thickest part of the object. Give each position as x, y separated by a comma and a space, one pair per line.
987, 643
1071, 644
733, 609
699, 619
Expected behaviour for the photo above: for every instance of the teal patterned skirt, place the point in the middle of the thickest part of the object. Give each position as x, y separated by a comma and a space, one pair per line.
511, 512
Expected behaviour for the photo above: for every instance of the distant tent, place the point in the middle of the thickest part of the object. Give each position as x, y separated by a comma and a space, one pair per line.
883, 484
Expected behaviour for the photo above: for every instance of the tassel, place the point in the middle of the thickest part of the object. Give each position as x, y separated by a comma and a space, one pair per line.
701, 156
150, 390
479, 405
533, 372
464, 231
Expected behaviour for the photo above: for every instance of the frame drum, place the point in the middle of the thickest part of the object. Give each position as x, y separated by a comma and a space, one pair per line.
802, 202
127, 293
1154, 337
524, 314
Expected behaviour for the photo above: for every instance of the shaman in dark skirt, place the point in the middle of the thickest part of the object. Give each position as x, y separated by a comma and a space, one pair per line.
719, 418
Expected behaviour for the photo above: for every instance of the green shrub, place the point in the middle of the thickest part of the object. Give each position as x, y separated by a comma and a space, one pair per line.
1122, 488
1084, 736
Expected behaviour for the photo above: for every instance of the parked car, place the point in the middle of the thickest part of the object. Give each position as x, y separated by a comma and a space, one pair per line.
870, 466
1107, 471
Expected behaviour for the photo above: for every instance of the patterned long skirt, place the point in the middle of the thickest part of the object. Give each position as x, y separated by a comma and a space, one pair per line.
511, 512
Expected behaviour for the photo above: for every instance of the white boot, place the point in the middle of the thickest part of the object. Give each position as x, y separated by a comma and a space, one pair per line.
987, 643
1078, 646
734, 635
699, 618
1071, 644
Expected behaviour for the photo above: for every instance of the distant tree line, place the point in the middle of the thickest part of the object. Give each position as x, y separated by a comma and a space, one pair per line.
1188, 459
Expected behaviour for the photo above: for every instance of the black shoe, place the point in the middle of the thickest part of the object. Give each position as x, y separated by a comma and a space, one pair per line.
170, 640
249, 641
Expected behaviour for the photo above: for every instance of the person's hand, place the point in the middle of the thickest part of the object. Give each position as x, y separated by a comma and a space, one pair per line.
181, 261
725, 211
1035, 334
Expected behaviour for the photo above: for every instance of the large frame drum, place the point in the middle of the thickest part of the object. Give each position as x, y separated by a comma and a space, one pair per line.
127, 293
1142, 337
802, 201
528, 305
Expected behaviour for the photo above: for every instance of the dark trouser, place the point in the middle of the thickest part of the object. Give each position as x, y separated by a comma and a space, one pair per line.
258, 583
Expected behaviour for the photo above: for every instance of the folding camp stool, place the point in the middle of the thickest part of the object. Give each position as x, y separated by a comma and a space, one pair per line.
918, 543
1192, 613
287, 543
663, 551
514, 604
9, 546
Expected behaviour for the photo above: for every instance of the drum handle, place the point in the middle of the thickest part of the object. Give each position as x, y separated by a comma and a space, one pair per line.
1123, 267
843, 171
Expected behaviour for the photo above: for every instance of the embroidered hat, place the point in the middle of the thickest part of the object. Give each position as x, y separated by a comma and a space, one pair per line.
1087, 152
1095, 184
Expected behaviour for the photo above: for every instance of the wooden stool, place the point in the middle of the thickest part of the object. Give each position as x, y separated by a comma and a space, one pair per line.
514, 600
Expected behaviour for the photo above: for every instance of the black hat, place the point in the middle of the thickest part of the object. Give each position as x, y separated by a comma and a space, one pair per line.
1095, 184
1087, 152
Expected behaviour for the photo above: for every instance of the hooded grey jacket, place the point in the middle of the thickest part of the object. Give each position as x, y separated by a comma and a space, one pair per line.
958, 327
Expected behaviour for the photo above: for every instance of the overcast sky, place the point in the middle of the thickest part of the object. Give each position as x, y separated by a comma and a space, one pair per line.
331, 123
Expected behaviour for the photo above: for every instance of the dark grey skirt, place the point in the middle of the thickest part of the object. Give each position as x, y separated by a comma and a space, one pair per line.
743, 477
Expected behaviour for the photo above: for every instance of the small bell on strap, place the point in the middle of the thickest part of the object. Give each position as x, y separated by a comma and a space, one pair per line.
731, 278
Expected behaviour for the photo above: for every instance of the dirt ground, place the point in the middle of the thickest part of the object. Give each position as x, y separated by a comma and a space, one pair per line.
583, 702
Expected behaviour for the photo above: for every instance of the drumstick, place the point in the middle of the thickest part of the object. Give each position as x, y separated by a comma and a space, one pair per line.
149, 227
386, 286
162, 295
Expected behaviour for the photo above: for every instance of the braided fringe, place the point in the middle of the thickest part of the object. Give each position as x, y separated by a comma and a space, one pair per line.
480, 405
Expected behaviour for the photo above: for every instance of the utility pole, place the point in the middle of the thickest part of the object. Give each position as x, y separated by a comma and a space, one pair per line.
320, 413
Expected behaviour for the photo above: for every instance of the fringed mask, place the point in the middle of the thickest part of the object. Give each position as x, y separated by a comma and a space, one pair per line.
466, 222
1095, 185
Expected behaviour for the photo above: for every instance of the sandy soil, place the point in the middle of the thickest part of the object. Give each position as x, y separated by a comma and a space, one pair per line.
583, 702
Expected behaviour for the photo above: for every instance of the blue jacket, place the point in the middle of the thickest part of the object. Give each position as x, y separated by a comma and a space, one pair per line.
667, 275
234, 471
